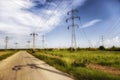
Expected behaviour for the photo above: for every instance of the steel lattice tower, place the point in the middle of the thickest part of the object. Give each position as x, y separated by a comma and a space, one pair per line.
73, 35
34, 36
6, 42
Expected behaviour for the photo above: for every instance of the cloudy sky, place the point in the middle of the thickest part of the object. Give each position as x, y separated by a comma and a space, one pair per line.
19, 18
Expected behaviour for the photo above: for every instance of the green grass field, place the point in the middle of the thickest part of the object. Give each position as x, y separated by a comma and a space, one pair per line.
75, 63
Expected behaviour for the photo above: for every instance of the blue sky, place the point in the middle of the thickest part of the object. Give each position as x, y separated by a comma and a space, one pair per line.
19, 18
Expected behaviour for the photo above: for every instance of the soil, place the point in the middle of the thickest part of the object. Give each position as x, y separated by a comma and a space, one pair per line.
110, 70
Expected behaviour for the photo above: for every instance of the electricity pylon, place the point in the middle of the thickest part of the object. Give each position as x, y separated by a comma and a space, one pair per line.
72, 18
16, 45
102, 40
43, 41
6, 42
34, 36
28, 44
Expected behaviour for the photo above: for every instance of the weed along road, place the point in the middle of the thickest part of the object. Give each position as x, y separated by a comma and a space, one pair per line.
23, 66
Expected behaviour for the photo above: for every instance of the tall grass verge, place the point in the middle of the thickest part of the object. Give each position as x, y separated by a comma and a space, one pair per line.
75, 63
8, 53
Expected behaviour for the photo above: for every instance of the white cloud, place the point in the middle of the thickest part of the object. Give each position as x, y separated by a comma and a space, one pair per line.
114, 41
78, 2
15, 19
13, 29
91, 23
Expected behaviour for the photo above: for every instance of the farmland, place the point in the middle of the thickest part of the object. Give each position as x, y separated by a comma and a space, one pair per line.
78, 63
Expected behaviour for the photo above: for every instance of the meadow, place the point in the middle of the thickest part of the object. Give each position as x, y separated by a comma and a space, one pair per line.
77, 63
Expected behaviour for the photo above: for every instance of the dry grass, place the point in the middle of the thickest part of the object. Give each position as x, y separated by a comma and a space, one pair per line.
106, 69
4, 52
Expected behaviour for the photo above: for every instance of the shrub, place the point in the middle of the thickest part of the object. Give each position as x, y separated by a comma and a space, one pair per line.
101, 48
30, 51
81, 63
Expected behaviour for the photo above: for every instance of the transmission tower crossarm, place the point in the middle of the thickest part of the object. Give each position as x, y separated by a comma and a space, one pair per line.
68, 19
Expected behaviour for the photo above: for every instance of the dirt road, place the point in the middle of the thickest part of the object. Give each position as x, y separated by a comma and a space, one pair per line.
23, 66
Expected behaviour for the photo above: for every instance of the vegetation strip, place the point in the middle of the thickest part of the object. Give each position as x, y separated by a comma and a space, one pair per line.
75, 66
7, 54
106, 69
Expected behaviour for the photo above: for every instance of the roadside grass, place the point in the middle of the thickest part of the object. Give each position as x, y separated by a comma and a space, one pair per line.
107, 58
2, 52
6, 53
75, 63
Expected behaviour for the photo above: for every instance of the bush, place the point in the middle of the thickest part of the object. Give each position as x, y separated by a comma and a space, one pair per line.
101, 48
30, 51
71, 49
81, 63
113, 48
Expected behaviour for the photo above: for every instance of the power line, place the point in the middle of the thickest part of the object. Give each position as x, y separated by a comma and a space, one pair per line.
72, 18
89, 41
55, 9
52, 15
85, 35
112, 29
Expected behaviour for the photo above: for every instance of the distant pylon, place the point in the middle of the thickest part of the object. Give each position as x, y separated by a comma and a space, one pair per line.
43, 41
72, 18
16, 45
102, 40
6, 42
34, 36
28, 44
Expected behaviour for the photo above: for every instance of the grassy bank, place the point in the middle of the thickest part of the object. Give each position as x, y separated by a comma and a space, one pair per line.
7, 53
75, 63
